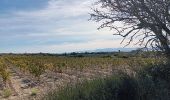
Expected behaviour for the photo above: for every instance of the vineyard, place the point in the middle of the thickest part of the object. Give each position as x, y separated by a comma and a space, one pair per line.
32, 76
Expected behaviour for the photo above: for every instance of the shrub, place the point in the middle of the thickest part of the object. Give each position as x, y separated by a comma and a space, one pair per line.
114, 88
154, 82
6, 93
37, 69
34, 92
150, 83
161, 71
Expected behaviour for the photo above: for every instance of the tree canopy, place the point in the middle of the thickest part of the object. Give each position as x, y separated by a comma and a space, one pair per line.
147, 20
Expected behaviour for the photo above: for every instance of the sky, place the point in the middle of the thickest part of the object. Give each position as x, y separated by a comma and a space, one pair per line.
51, 26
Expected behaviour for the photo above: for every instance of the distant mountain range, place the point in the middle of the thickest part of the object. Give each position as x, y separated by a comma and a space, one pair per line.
112, 50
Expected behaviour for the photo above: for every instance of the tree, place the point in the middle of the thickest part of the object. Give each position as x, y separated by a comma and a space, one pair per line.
147, 20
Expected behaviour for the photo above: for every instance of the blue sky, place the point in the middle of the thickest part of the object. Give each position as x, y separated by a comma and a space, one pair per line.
52, 26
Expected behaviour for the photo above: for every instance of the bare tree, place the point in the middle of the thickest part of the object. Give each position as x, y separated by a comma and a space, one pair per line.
147, 20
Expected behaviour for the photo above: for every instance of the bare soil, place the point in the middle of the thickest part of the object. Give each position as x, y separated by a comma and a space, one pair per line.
23, 84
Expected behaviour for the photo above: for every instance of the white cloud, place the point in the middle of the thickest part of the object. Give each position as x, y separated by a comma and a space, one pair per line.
70, 47
63, 21
60, 9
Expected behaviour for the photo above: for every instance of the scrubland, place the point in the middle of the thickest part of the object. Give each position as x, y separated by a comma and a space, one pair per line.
103, 77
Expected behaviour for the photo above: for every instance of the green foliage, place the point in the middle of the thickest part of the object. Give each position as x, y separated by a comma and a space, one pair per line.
34, 92
6, 93
150, 83
154, 82
114, 88
4, 73
161, 71
37, 69
59, 67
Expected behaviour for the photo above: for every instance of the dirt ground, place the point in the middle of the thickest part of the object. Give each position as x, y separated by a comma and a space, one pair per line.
26, 87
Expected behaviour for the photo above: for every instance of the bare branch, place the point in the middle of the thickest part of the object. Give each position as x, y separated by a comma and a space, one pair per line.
149, 19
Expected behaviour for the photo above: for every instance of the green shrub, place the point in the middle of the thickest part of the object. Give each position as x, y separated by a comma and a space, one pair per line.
154, 82
161, 71
34, 92
150, 83
6, 93
37, 69
114, 88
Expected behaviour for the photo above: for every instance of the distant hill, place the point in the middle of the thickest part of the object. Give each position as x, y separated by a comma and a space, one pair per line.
112, 50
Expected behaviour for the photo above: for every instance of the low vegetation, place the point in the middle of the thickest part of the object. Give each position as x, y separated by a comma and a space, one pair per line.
6, 93
150, 83
131, 77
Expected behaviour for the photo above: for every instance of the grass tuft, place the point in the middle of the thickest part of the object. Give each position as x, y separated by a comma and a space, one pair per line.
6, 93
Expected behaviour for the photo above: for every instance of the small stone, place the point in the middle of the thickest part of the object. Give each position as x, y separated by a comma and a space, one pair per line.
24, 86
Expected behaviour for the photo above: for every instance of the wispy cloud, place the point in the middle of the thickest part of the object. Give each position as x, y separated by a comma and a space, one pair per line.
67, 47
57, 26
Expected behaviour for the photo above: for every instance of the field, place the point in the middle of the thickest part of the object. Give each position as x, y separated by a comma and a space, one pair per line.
30, 77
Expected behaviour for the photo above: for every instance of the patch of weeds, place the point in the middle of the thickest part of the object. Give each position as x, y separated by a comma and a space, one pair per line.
112, 88
34, 92
6, 93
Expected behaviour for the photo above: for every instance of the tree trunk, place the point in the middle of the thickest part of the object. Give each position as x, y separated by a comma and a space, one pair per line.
163, 40
168, 54
165, 45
